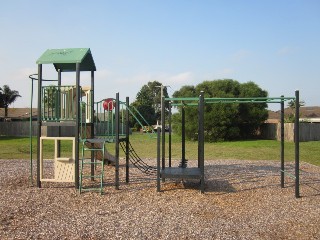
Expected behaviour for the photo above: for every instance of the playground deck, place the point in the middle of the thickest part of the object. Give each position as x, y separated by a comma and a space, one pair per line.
243, 200
177, 172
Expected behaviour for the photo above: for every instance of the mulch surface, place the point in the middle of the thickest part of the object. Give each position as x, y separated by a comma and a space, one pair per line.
242, 200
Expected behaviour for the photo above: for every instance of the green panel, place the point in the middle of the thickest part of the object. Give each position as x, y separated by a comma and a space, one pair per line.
66, 59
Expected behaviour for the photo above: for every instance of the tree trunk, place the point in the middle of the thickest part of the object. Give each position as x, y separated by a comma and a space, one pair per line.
5, 111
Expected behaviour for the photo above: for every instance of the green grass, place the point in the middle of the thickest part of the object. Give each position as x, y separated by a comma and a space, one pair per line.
145, 146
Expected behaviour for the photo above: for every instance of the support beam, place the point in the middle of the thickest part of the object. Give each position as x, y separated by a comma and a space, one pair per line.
127, 139
163, 136
58, 111
39, 123
158, 159
296, 142
170, 126
282, 142
117, 108
92, 123
183, 136
201, 140
77, 132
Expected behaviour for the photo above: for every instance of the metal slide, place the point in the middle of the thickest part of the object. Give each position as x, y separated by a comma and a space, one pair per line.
140, 119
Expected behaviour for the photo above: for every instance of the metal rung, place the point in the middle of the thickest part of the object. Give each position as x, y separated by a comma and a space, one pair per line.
92, 176
93, 149
91, 163
90, 189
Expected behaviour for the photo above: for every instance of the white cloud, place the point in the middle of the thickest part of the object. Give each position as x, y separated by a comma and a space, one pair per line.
130, 85
103, 74
181, 78
107, 83
240, 55
285, 51
221, 74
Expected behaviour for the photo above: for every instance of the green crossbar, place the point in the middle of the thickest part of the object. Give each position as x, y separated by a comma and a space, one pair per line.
89, 176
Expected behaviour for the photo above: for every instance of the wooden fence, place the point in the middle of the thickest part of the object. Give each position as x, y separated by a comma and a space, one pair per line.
23, 129
308, 131
17, 128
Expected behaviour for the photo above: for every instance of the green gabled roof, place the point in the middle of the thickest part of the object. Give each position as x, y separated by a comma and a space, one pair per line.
66, 59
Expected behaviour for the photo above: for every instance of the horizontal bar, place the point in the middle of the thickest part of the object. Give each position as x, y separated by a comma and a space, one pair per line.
235, 100
70, 123
94, 176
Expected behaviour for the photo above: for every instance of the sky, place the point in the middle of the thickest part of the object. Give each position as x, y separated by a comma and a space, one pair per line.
274, 43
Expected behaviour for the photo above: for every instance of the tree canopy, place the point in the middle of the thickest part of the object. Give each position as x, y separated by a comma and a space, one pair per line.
223, 121
7, 97
148, 102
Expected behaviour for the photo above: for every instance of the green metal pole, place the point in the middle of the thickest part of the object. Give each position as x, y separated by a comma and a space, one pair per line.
127, 140
201, 139
158, 159
163, 135
30, 134
170, 139
76, 169
92, 123
58, 109
117, 141
296, 142
39, 123
183, 136
282, 143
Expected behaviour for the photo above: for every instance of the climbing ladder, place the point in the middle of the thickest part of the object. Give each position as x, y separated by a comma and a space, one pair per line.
98, 147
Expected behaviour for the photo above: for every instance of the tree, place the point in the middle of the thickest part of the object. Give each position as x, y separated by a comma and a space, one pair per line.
7, 97
50, 96
148, 102
290, 118
223, 121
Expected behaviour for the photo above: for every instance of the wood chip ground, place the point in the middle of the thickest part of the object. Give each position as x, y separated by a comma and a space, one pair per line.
243, 200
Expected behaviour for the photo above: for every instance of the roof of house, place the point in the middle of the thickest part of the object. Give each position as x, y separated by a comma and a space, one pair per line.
305, 113
19, 113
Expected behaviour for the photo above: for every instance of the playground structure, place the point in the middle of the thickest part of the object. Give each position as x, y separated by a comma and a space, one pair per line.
95, 123
182, 171
98, 123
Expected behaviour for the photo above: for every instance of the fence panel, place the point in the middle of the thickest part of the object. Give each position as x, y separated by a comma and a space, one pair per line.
268, 131
308, 131
17, 128
23, 129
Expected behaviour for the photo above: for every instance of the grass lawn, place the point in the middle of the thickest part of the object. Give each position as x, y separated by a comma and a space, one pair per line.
145, 146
